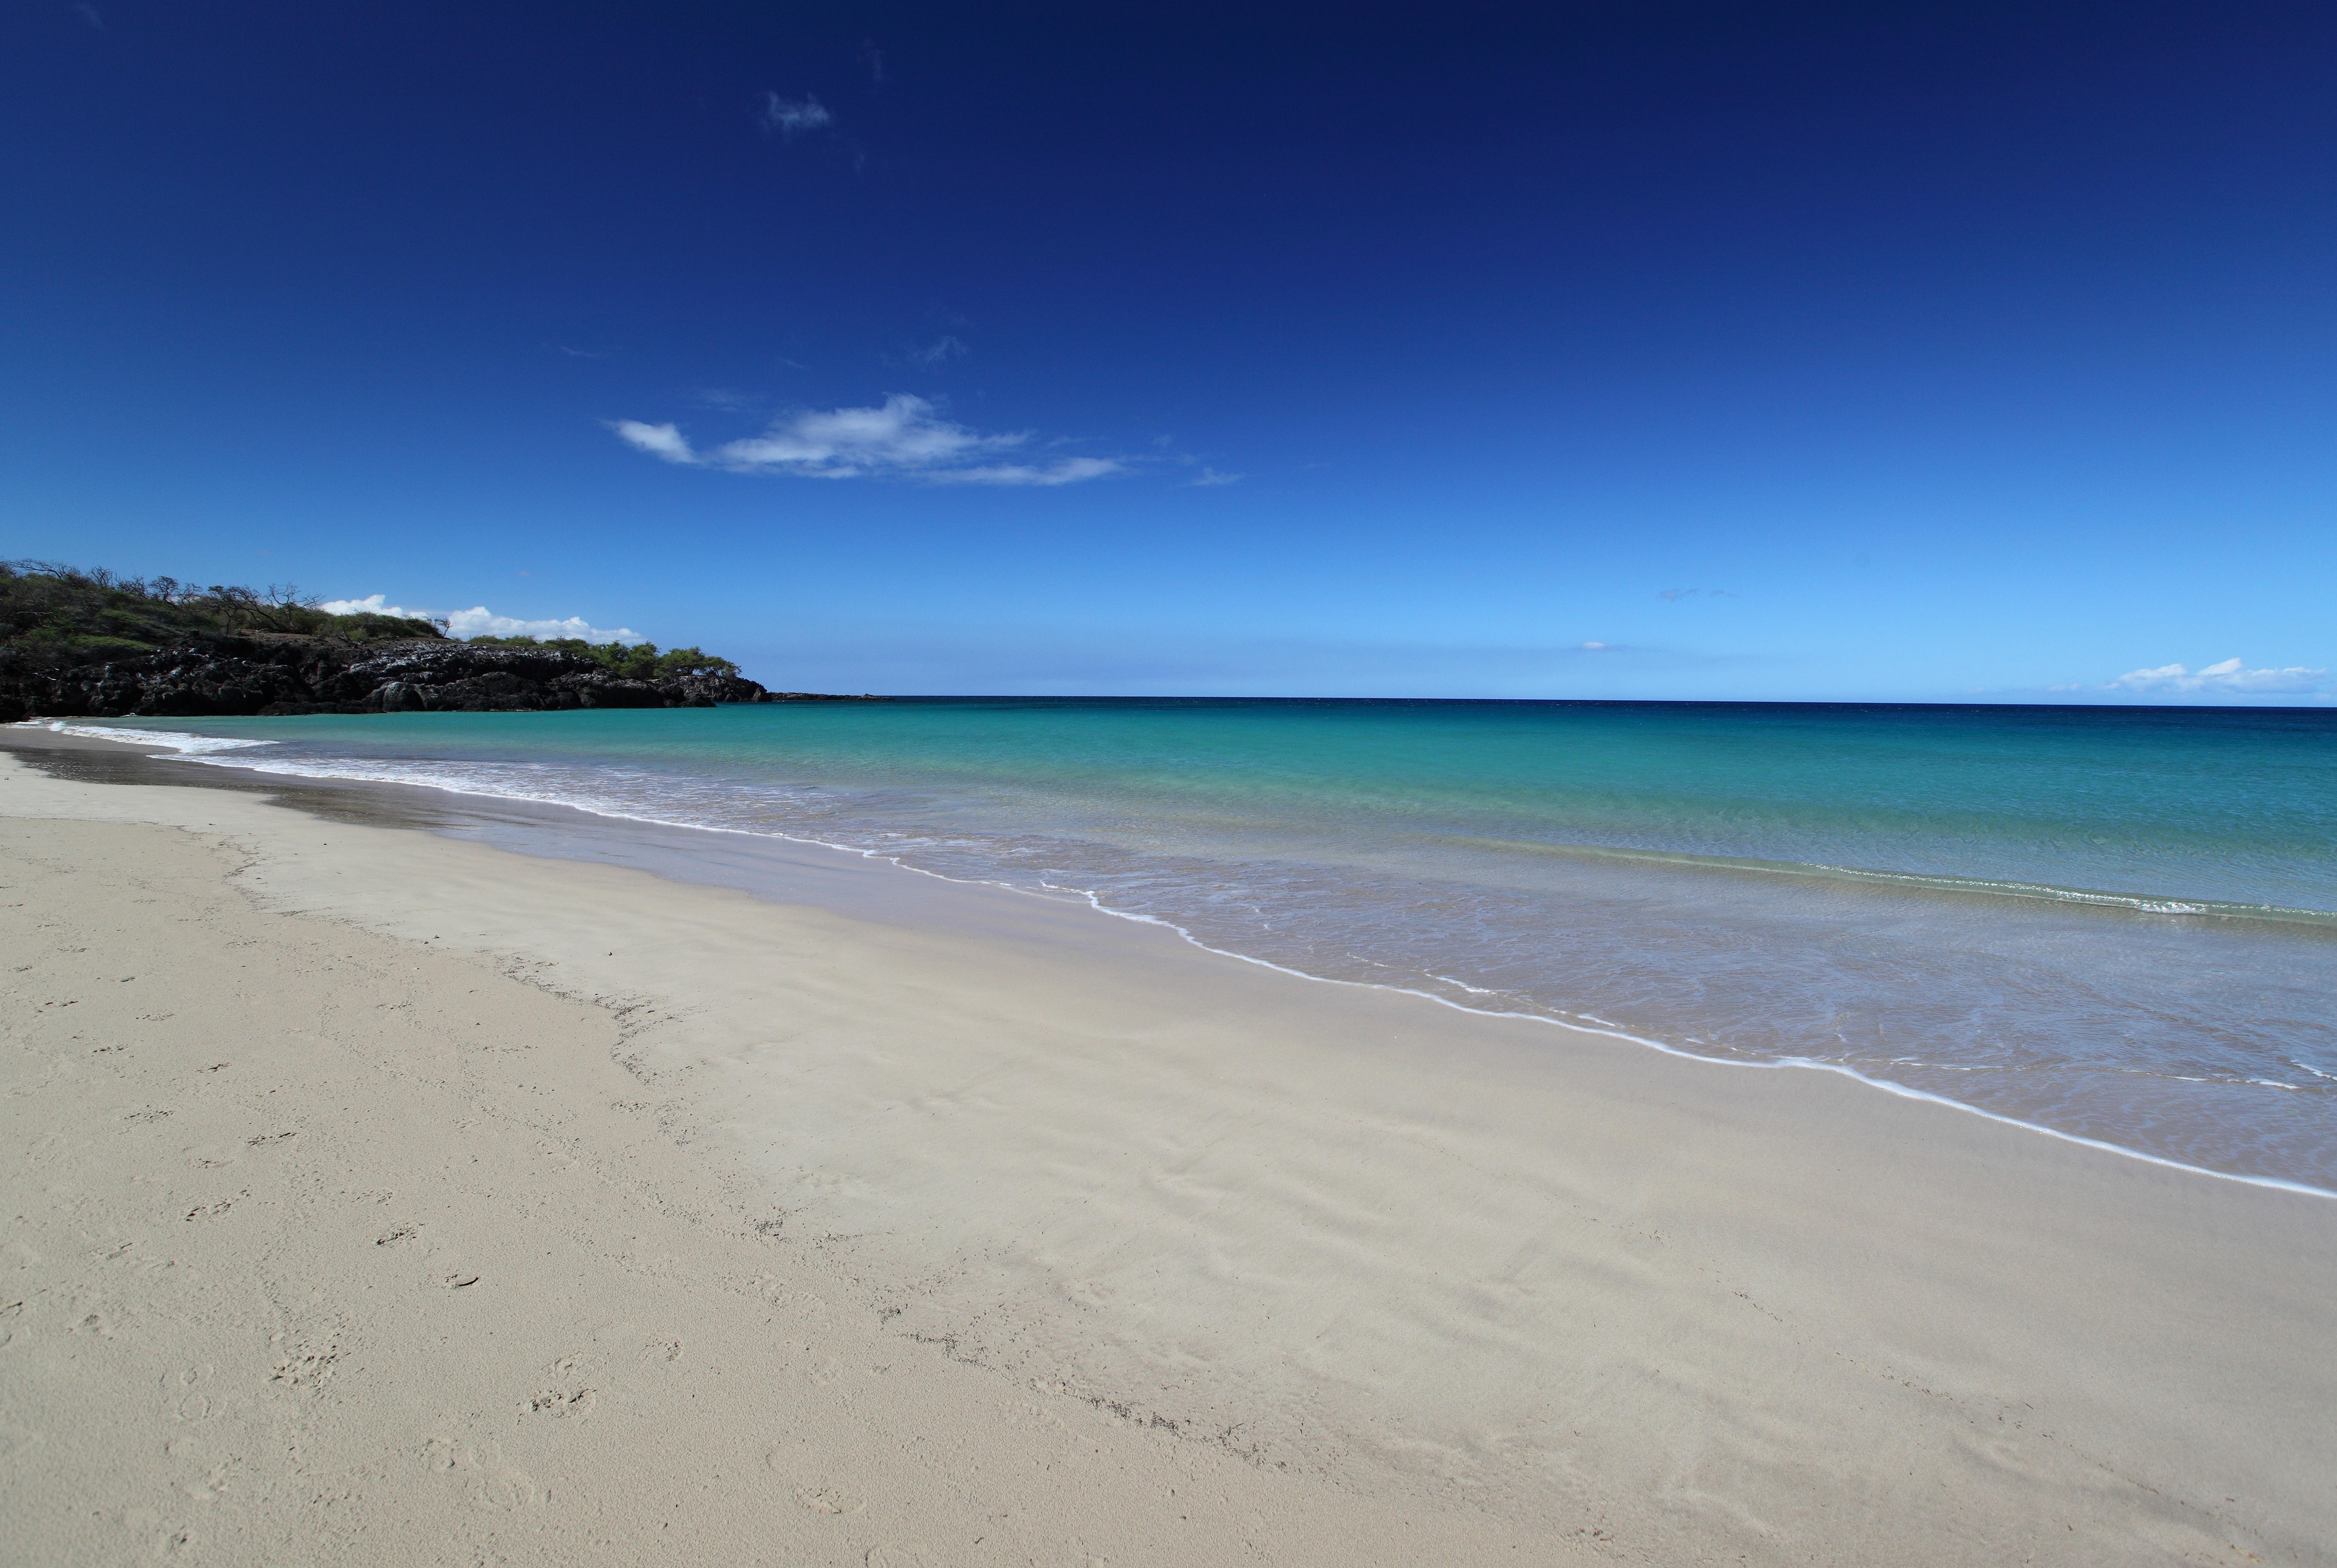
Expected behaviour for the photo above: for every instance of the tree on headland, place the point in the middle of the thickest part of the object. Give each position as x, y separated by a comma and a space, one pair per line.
47, 607
82, 642
636, 662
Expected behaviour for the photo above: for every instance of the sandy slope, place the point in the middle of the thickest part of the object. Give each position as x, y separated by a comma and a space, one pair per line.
1007, 1233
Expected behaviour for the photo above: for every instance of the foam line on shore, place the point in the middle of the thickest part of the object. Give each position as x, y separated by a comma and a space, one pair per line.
180, 740
2276, 1183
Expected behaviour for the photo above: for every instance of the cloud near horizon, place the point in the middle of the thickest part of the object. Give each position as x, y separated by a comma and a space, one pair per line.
479, 621
905, 438
2229, 678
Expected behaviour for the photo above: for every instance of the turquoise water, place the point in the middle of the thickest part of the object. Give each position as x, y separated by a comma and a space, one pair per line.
2119, 924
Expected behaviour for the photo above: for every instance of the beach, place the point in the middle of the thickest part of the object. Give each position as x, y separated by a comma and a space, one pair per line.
378, 1196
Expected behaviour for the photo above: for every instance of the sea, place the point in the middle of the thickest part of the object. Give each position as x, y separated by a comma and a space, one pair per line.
2118, 924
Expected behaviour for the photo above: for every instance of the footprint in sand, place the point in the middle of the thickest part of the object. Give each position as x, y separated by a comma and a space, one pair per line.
575, 1402
195, 1405
830, 1500
446, 1456
820, 1497
1033, 1418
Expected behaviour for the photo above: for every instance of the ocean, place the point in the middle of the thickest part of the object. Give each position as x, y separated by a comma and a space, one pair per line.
2113, 924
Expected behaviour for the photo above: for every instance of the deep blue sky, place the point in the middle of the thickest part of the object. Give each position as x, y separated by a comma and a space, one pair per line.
1938, 350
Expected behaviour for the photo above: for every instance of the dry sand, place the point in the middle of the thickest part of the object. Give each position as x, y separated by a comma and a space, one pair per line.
380, 1198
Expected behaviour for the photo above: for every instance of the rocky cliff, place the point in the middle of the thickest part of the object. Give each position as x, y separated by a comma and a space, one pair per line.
266, 674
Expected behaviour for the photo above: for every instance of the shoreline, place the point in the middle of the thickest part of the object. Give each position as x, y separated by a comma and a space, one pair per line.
79, 735
1346, 1246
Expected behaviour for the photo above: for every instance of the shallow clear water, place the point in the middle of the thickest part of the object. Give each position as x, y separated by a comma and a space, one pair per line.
2117, 923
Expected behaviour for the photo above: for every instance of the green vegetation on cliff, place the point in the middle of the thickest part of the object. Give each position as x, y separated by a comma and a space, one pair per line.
639, 661
46, 608
52, 615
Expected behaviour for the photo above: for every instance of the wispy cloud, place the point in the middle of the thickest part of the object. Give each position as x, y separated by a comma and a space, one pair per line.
89, 13
2232, 678
1208, 475
786, 116
480, 622
939, 353
905, 438
1062, 471
1674, 595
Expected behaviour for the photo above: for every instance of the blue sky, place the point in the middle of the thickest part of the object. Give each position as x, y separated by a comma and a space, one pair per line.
1603, 351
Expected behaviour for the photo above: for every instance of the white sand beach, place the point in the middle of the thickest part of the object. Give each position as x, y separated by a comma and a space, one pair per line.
379, 1198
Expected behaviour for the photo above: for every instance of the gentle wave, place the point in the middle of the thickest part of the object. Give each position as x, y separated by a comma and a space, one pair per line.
473, 779
1612, 1032
2137, 903
178, 740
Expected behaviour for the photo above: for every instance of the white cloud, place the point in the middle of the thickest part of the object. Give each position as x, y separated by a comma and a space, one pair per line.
2228, 679
662, 439
842, 442
786, 115
479, 621
905, 438
1208, 475
1063, 471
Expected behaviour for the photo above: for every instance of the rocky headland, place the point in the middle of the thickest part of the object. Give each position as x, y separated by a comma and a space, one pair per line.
89, 645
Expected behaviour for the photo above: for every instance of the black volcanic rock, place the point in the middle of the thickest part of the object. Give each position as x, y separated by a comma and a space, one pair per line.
271, 674
706, 691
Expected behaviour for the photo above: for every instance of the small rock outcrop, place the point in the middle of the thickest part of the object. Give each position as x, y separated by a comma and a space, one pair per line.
267, 674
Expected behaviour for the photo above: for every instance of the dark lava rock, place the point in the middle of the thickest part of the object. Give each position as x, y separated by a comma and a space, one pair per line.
707, 691
284, 675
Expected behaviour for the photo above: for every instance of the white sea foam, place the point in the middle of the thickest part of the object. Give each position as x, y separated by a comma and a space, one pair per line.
1885, 1084
178, 741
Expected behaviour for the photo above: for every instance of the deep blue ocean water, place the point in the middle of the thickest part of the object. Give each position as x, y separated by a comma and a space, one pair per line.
2121, 924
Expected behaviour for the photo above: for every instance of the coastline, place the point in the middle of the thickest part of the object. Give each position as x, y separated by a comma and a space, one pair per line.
1399, 1281
546, 826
